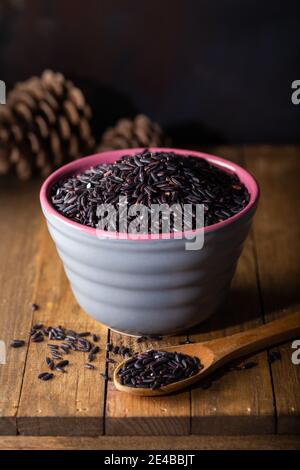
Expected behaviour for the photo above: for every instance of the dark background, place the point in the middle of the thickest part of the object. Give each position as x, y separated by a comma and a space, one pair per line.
209, 71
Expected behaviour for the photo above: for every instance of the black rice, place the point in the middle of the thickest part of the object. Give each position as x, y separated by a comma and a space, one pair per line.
151, 178
55, 356
89, 366
153, 369
71, 333
17, 343
91, 357
63, 363
84, 346
141, 339
60, 369
63, 350
49, 362
111, 361
45, 376
37, 337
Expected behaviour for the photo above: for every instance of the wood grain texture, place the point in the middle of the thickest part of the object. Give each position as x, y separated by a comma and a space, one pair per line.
239, 402
171, 443
127, 415
277, 237
71, 403
19, 220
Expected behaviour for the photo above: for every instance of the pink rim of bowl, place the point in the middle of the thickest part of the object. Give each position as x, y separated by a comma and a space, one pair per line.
83, 164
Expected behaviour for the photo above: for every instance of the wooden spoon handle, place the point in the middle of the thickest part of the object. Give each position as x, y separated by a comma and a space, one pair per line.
253, 340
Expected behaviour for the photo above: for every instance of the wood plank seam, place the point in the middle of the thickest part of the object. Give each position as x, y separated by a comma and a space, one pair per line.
277, 234
22, 383
37, 276
262, 306
106, 384
261, 300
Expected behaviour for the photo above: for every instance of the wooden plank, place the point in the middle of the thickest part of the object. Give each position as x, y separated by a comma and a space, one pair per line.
19, 219
71, 403
128, 415
188, 443
239, 402
277, 237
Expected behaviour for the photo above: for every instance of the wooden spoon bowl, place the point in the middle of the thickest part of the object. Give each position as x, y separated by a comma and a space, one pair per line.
214, 354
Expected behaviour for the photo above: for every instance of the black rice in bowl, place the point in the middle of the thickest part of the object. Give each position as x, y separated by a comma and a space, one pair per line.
149, 178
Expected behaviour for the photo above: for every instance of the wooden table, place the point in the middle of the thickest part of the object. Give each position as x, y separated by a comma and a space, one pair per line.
254, 408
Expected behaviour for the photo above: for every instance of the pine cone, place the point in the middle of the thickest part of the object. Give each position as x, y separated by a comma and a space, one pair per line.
139, 132
45, 123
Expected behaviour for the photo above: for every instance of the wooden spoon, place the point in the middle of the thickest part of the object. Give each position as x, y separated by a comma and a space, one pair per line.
214, 354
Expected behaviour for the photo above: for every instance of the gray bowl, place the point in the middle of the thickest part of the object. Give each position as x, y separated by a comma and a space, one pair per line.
148, 286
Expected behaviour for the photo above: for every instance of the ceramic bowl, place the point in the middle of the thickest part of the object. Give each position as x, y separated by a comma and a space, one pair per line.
148, 285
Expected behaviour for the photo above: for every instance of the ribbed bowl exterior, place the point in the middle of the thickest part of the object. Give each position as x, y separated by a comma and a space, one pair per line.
149, 286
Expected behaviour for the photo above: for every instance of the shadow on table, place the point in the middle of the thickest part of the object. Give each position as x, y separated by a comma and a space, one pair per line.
242, 308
